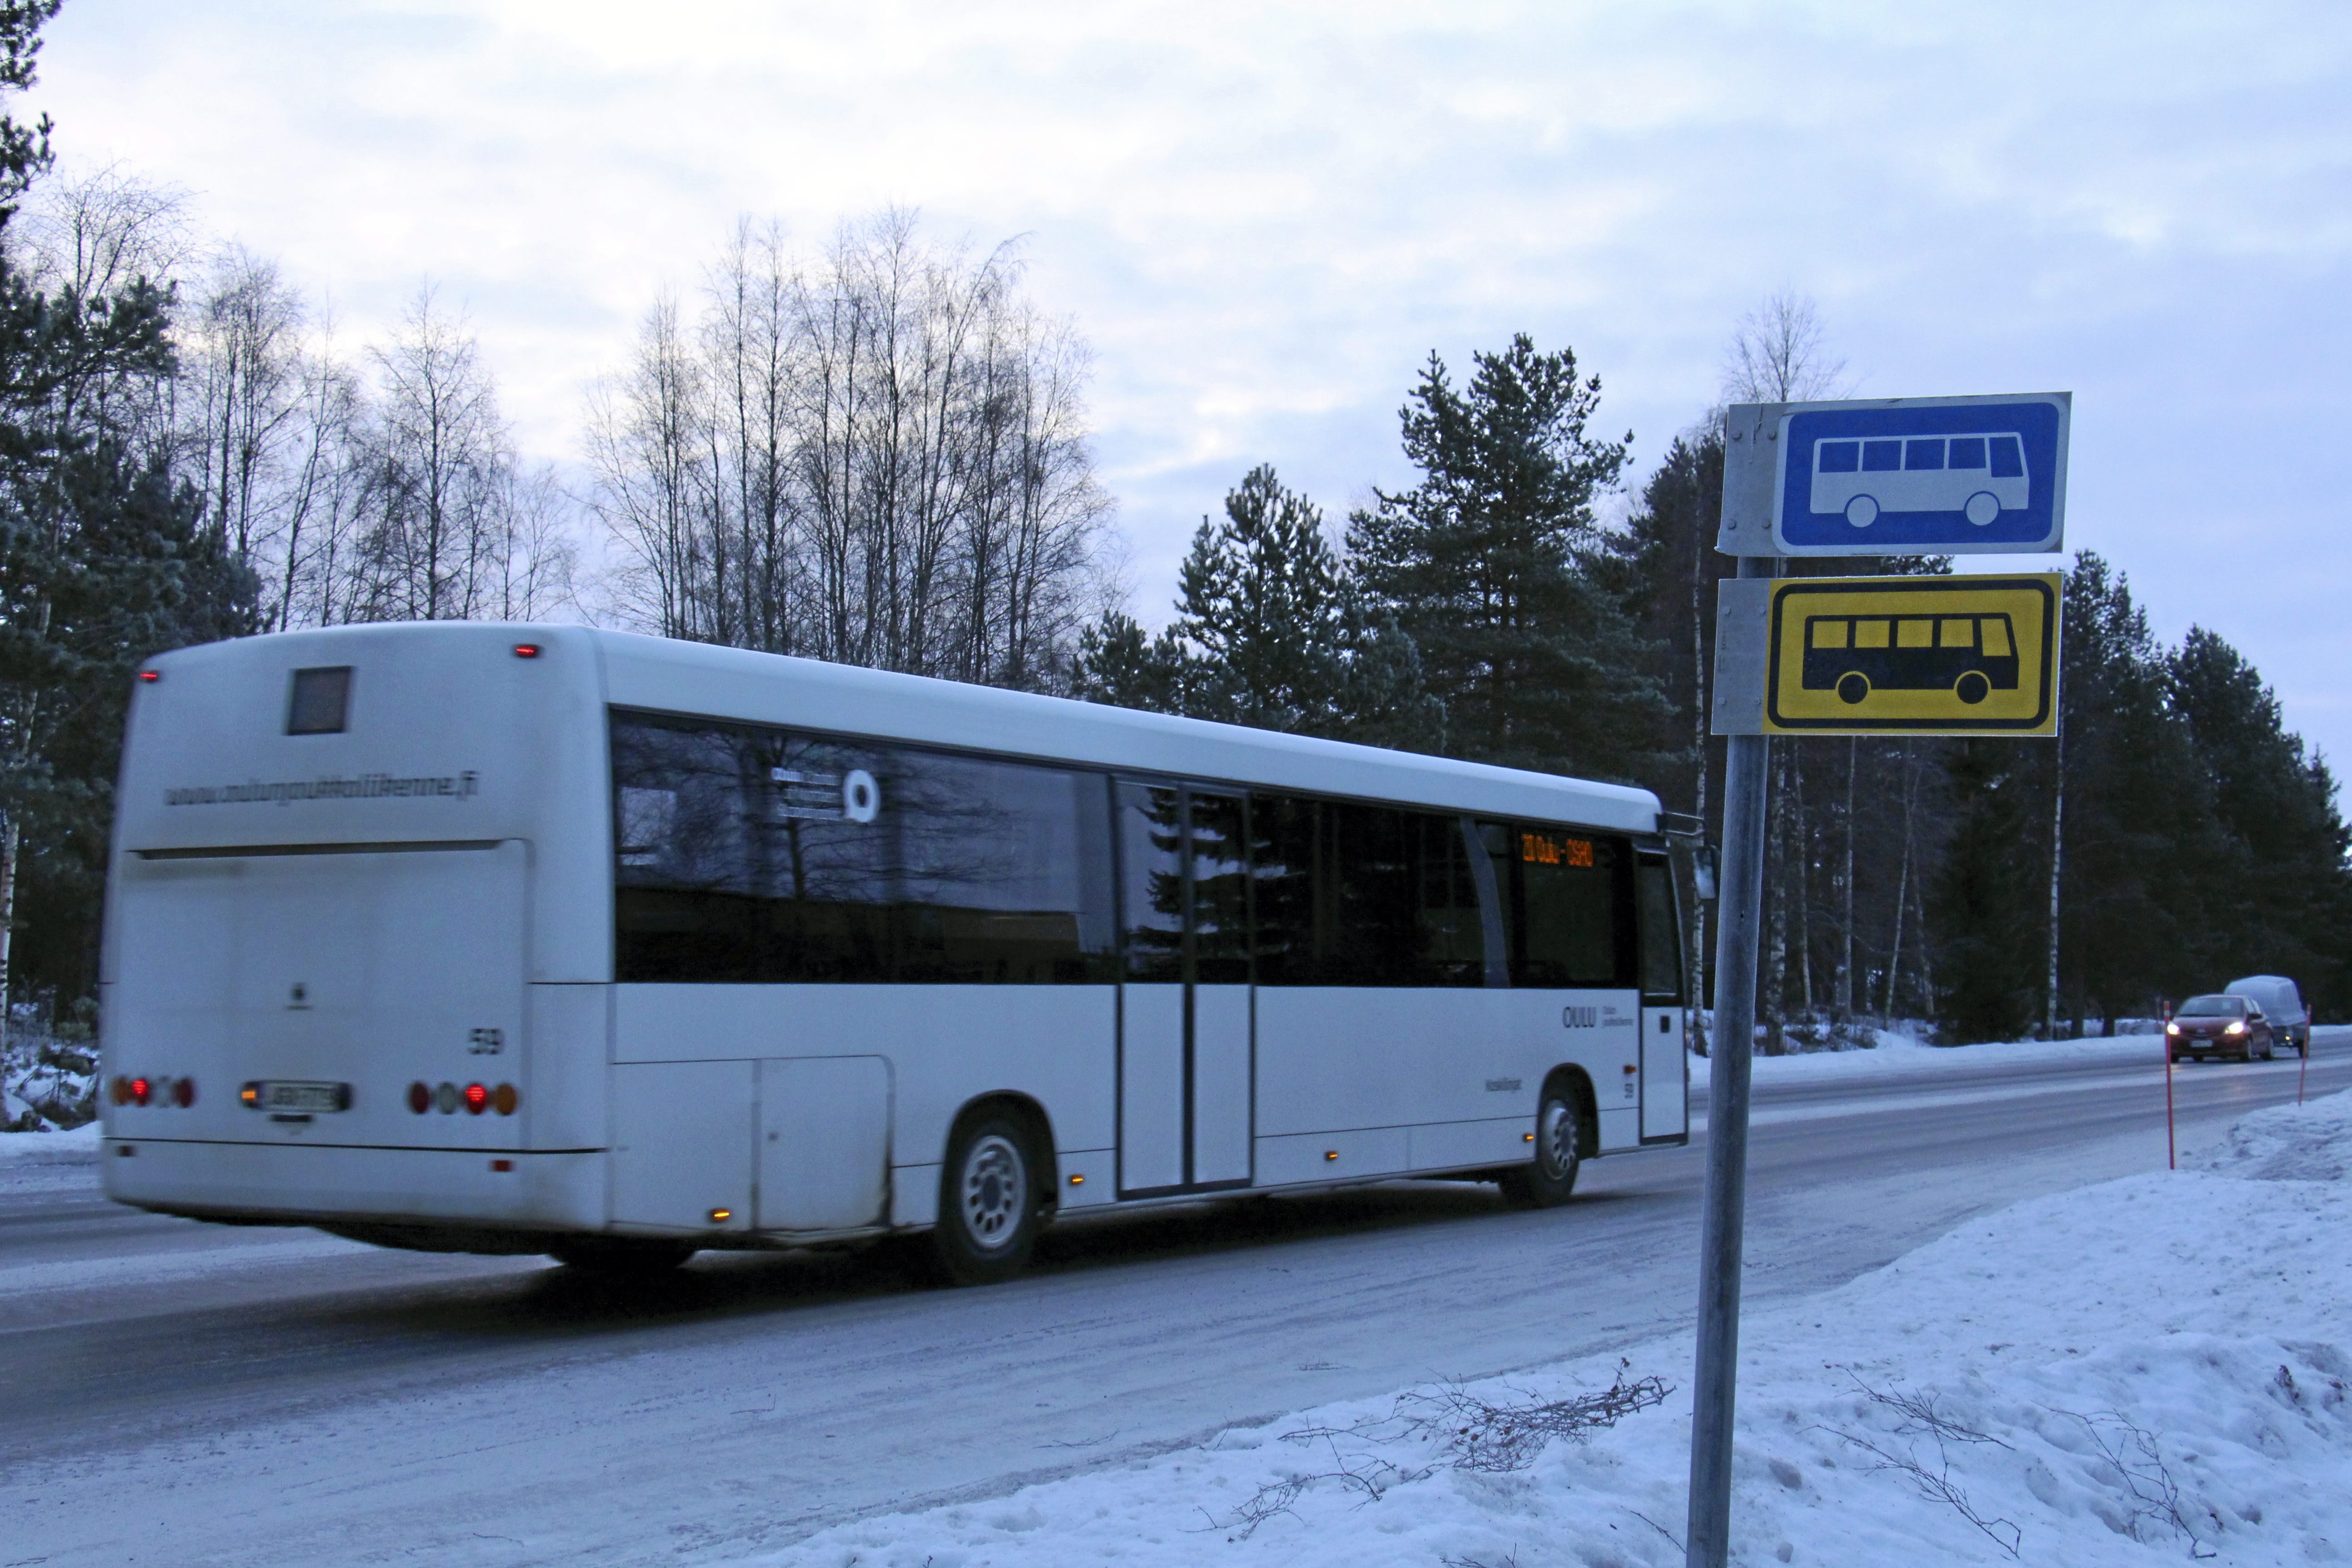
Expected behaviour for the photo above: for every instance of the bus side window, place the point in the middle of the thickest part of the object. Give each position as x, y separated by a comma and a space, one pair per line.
1958, 632
1363, 895
1575, 915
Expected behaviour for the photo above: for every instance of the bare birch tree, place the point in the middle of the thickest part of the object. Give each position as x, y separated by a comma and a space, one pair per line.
875, 454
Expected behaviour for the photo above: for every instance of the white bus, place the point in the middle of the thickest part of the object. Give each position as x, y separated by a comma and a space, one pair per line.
545, 940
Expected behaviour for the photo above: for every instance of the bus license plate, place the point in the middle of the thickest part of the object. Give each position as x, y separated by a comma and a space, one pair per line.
310, 1097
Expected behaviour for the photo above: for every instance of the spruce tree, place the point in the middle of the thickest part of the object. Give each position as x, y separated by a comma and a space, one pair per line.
2286, 890
1987, 909
1261, 603
1122, 666
2138, 819
1488, 564
104, 561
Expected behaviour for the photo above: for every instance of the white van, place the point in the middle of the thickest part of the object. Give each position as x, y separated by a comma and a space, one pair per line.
2282, 1003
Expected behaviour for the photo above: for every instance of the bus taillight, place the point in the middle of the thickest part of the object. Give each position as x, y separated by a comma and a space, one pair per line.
183, 1092
141, 1090
420, 1098
478, 1100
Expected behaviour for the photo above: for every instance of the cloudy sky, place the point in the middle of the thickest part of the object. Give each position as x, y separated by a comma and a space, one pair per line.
1264, 217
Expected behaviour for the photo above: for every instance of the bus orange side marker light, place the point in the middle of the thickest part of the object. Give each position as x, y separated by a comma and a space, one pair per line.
502, 1165
251, 1095
1077, 1181
1631, 1070
1526, 1137
504, 1099
1330, 1153
720, 1216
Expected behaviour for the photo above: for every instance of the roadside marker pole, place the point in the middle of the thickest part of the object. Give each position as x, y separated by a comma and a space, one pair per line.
2302, 1057
2171, 1149
1738, 914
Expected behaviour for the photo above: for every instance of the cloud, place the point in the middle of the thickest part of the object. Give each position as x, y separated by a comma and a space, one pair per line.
1264, 217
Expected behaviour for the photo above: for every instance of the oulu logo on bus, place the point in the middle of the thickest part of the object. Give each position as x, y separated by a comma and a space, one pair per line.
1978, 476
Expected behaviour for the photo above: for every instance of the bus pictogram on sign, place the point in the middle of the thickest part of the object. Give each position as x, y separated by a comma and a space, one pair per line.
1971, 657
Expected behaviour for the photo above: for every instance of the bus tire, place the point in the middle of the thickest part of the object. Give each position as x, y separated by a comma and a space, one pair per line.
621, 1256
1853, 687
1547, 1180
990, 1211
1972, 688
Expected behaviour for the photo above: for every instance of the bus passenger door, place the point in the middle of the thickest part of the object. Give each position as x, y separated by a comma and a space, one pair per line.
1666, 1077
1185, 1042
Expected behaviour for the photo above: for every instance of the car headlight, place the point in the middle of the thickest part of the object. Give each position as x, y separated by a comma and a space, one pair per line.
2172, 1028
2235, 1029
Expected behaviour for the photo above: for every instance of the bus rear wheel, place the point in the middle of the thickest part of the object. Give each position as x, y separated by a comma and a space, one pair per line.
990, 1211
1972, 688
1853, 687
1547, 1180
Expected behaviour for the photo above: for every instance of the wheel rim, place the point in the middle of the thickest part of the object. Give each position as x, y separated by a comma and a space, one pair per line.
1556, 1139
995, 1178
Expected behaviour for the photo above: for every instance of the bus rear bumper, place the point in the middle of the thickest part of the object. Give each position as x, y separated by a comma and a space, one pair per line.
293, 1184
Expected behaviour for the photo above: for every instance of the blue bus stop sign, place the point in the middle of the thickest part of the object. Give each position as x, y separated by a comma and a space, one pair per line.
1935, 476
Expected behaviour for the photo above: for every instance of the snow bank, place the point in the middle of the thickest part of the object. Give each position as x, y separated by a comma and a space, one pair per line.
2146, 1371
49, 1162
1897, 1052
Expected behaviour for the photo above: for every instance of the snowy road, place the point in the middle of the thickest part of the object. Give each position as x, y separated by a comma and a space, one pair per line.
173, 1392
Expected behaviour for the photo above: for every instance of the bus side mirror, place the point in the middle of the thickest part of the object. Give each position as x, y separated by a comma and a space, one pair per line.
1703, 865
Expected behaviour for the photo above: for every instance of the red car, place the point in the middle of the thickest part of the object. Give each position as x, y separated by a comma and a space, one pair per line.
2219, 1026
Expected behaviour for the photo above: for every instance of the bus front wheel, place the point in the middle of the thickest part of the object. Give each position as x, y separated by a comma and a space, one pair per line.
1547, 1180
990, 1211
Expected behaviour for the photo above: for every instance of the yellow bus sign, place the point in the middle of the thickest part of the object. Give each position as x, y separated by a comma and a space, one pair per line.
1913, 656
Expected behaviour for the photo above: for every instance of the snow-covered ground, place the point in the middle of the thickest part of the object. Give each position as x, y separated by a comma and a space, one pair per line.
2153, 1369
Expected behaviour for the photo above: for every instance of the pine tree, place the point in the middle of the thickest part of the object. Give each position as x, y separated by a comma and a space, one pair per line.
1488, 564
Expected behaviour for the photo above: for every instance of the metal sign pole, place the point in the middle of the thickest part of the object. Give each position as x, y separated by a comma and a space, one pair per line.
1738, 915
